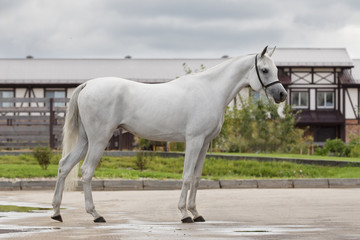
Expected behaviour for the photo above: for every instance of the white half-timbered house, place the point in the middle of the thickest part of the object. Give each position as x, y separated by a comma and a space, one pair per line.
322, 83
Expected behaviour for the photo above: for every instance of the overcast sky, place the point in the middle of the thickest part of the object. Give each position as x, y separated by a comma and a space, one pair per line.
172, 28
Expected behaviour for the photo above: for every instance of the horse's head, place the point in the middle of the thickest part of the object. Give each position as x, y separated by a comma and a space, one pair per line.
266, 76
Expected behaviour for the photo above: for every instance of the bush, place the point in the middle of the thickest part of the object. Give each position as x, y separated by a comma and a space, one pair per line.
43, 156
335, 147
258, 126
142, 160
355, 151
177, 146
354, 143
321, 151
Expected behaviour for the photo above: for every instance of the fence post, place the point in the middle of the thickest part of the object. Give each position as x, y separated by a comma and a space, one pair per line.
51, 123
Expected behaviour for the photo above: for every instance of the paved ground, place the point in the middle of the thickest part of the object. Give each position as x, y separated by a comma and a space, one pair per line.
231, 214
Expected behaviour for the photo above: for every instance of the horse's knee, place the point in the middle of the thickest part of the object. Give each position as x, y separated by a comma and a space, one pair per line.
86, 179
196, 182
187, 181
85, 173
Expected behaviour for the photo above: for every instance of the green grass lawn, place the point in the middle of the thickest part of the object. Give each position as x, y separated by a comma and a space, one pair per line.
25, 166
294, 156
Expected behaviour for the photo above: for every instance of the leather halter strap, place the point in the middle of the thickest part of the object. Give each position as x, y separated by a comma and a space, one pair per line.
258, 74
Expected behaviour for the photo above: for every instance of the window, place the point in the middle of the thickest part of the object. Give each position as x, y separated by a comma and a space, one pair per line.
6, 94
300, 99
325, 100
56, 94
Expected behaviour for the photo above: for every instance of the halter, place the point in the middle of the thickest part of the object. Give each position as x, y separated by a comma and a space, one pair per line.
258, 74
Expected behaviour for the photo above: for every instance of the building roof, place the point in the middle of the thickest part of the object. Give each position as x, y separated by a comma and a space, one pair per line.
356, 70
312, 57
76, 71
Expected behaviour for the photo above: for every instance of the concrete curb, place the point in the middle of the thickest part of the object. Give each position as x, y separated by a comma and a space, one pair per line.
126, 185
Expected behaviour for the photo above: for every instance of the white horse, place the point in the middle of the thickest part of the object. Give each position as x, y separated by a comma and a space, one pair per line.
188, 109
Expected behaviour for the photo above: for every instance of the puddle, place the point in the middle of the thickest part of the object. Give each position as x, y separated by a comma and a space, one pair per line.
15, 208
230, 229
16, 229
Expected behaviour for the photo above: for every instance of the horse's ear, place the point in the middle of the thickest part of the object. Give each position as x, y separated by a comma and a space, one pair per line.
264, 51
272, 51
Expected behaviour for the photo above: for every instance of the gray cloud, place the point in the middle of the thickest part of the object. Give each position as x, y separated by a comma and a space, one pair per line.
160, 28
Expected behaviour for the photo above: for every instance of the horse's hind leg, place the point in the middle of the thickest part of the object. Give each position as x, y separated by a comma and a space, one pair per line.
65, 166
96, 149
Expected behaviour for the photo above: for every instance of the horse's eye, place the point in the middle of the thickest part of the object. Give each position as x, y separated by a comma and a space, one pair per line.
264, 70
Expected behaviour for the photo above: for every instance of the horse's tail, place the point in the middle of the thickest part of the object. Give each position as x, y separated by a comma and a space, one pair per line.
70, 134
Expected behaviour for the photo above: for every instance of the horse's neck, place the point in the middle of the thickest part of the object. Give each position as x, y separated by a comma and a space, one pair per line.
228, 78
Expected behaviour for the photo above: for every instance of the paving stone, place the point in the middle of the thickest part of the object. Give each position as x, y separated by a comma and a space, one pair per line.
8, 186
238, 184
275, 183
162, 184
344, 183
37, 185
116, 185
311, 183
209, 184
96, 185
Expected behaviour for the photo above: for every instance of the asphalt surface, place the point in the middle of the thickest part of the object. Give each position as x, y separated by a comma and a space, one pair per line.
230, 213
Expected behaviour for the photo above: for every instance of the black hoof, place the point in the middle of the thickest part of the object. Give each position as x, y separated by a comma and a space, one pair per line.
100, 219
57, 218
187, 220
199, 219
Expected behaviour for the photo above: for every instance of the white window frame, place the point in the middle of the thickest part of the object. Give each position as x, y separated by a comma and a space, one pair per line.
297, 105
7, 104
325, 94
56, 104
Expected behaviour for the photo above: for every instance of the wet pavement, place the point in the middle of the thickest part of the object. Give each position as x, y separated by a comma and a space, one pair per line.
248, 214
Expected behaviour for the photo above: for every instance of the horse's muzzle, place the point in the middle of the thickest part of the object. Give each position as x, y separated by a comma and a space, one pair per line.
278, 92
282, 96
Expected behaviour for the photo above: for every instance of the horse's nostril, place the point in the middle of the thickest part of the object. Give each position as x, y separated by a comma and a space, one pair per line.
282, 95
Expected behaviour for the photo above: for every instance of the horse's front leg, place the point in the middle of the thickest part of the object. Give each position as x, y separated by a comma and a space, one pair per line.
195, 184
193, 148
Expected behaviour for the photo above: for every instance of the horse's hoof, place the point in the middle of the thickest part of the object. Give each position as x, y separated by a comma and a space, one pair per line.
187, 220
199, 219
57, 218
100, 219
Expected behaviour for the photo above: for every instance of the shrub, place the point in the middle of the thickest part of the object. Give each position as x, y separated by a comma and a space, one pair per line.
43, 156
177, 146
259, 126
354, 142
142, 160
335, 146
322, 151
355, 151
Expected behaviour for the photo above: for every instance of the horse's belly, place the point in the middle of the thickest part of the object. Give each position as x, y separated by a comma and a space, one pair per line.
155, 132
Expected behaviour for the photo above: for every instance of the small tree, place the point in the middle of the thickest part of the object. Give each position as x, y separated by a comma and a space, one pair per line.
142, 160
43, 156
257, 126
